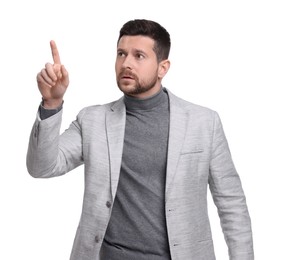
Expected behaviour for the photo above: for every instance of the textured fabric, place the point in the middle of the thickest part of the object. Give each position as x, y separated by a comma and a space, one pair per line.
198, 156
137, 226
44, 113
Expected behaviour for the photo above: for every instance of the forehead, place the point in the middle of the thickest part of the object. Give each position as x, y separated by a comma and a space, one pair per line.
138, 42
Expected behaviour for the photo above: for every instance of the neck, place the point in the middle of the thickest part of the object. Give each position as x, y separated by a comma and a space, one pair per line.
147, 103
149, 93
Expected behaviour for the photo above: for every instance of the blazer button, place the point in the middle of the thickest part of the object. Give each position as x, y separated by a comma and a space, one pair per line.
97, 239
108, 204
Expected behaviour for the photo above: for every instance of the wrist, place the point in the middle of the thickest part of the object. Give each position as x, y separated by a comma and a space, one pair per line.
51, 103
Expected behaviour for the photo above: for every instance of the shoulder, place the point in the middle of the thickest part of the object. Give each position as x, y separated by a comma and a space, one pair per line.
200, 118
188, 107
99, 111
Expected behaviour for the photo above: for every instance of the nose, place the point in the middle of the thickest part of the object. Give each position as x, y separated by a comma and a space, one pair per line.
127, 62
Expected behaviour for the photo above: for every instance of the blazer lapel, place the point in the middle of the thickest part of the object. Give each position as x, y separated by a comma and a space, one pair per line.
178, 125
115, 128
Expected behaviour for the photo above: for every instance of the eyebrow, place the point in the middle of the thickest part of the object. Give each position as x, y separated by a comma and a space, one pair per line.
134, 50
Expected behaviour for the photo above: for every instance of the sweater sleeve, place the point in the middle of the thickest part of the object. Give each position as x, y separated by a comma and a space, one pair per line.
45, 113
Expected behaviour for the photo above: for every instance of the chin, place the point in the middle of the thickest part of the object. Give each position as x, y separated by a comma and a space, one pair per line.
127, 89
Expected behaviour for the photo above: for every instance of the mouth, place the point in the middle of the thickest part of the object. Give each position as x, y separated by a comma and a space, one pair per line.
127, 77
126, 80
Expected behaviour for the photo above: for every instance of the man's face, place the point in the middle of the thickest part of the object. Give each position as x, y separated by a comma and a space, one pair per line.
136, 66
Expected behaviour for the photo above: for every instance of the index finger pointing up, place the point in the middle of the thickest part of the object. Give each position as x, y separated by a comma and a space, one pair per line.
55, 53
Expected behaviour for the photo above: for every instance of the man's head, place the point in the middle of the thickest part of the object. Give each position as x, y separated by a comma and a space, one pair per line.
142, 61
151, 29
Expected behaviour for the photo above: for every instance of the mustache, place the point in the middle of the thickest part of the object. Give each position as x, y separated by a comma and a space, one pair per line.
126, 73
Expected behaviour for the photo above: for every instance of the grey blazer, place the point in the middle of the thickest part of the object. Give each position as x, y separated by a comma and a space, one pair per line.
198, 157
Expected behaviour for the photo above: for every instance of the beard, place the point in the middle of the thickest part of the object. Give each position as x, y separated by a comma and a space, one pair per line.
139, 87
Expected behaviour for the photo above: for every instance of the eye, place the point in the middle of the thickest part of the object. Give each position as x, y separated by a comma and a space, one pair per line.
140, 56
120, 54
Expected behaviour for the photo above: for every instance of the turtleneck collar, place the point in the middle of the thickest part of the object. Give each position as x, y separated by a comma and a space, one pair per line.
133, 103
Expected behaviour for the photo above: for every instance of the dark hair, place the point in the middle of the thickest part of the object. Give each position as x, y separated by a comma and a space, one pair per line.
151, 29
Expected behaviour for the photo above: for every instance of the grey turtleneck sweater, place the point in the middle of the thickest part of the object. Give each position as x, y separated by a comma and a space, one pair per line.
137, 227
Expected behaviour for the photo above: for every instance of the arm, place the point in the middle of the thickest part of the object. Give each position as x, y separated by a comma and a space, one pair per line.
228, 195
50, 154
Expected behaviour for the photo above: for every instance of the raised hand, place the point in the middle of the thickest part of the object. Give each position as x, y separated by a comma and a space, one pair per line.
53, 80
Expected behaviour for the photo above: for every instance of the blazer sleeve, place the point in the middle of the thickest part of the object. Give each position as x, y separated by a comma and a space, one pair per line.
51, 154
229, 198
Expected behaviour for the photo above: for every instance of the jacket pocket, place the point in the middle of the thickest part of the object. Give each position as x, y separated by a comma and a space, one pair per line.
193, 151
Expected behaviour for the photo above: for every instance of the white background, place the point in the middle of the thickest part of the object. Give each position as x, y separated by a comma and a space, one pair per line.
225, 55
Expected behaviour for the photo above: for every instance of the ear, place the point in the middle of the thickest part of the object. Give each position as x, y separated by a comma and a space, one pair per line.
163, 68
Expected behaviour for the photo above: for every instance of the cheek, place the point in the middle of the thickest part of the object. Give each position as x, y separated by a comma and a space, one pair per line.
117, 67
150, 72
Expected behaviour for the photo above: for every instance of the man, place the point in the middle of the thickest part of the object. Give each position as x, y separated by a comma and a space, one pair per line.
148, 159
